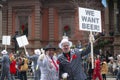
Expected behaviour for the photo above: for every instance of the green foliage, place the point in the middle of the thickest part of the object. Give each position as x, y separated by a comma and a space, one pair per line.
102, 43
73, 46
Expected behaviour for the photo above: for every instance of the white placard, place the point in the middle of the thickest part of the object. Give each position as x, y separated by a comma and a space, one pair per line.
6, 40
22, 41
89, 20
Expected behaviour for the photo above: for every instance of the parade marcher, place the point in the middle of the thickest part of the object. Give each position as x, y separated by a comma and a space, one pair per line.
70, 62
48, 64
23, 66
104, 69
12, 66
90, 70
15, 41
97, 69
110, 65
34, 59
118, 67
5, 70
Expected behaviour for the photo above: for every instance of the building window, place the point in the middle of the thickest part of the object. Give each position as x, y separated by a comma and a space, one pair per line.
23, 25
67, 30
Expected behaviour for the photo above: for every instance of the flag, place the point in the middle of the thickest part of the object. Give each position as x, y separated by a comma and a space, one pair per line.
104, 2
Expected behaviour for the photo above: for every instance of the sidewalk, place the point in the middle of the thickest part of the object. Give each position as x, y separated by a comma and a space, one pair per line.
96, 79
111, 78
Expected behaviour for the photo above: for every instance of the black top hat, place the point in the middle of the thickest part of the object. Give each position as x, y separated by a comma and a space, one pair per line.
49, 46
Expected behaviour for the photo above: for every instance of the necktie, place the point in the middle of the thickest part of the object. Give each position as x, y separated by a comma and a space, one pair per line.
54, 64
68, 57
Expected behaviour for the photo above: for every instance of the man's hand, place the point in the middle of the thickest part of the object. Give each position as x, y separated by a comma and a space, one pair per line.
43, 51
91, 38
41, 57
27, 54
37, 67
64, 76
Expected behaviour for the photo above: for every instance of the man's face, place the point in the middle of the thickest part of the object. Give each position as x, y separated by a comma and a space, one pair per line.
66, 47
50, 52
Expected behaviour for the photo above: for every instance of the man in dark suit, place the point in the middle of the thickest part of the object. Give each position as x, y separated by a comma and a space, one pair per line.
15, 41
70, 62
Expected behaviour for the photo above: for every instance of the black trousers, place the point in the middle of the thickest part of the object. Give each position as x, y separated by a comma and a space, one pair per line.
104, 76
23, 75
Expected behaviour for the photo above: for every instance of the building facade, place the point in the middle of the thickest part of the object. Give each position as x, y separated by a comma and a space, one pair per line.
113, 23
46, 21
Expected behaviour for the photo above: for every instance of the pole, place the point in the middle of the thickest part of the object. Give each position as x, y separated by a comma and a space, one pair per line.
25, 49
5, 47
92, 57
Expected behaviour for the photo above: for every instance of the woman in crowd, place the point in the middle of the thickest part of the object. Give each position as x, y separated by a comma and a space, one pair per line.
104, 69
97, 69
23, 66
12, 66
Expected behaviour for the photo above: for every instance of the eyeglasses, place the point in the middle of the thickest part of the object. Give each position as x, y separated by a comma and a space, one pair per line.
65, 46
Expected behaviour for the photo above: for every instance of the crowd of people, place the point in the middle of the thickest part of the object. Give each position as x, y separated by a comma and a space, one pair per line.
70, 64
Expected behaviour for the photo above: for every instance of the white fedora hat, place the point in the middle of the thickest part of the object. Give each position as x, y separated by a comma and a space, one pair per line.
37, 51
4, 52
65, 41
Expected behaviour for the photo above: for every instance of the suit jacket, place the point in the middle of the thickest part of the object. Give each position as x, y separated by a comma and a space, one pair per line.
48, 70
74, 67
5, 70
5, 62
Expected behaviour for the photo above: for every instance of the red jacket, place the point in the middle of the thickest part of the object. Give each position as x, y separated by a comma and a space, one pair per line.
97, 65
12, 67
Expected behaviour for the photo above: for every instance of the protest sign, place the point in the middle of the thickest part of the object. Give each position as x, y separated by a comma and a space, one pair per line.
22, 41
89, 20
6, 40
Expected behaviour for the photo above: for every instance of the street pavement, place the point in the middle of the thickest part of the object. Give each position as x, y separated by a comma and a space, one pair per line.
96, 79
111, 78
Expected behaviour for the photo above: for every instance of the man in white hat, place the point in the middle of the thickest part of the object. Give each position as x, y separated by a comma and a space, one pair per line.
5, 73
34, 59
70, 62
